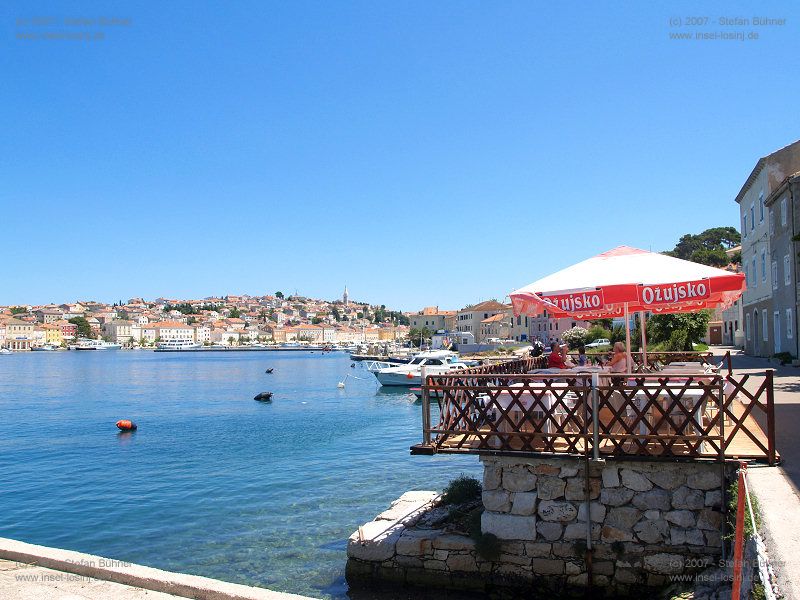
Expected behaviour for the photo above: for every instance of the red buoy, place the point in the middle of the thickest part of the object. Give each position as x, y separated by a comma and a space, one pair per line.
126, 425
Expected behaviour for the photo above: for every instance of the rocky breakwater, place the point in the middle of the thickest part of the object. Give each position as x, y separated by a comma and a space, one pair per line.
649, 523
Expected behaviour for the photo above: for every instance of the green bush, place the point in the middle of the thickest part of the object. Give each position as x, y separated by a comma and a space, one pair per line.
677, 341
784, 357
461, 490
575, 337
733, 504
598, 332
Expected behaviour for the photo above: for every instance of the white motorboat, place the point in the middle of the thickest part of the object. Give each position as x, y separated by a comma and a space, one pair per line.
45, 348
87, 344
177, 345
435, 362
5, 351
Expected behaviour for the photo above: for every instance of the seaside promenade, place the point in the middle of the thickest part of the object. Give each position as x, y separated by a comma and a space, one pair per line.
778, 489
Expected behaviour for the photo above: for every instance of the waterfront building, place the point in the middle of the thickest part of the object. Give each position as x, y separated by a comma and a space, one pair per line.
119, 331
53, 334
766, 177
431, 318
167, 330
469, 319
19, 335
784, 225
495, 327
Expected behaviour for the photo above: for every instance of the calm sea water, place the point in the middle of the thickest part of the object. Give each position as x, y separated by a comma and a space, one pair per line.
213, 483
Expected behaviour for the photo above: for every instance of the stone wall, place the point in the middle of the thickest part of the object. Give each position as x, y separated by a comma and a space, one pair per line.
649, 521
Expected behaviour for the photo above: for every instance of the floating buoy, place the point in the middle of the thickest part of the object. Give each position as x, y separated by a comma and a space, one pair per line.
340, 384
263, 397
353, 366
126, 425
409, 376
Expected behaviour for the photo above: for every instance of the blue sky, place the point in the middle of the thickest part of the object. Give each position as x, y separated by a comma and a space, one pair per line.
419, 152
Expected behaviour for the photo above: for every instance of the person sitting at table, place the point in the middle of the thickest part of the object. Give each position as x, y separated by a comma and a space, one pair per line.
558, 357
583, 360
619, 360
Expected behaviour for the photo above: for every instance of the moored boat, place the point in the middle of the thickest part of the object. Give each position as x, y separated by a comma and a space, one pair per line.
87, 344
434, 362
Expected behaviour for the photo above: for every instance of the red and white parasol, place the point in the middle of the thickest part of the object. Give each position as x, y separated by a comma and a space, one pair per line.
624, 280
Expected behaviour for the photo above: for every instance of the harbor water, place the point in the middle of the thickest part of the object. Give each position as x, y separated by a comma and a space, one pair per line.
213, 483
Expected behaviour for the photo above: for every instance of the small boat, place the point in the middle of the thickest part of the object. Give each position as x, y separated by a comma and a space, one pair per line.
437, 362
45, 348
263, 397
269, 370
5, 351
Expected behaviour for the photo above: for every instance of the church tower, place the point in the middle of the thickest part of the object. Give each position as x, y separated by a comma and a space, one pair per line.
345, 297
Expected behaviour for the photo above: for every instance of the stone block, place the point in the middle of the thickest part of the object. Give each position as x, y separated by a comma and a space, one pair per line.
517, 548
634, 480
413, 562
572, 567
436, 565
597, 512
441, 554
515, 559
410, 544
603, 567
576, 489
492, 477
705, 479
577, 531
509, 527
523, 503
565, 550
568, 472
538, 549
462, 562
613, 534
709, 519
623, 517
713, 539
655, 499
545, 469
687, 498
610, 477
555, 511
547, 566
497, 500
616, 496
627, 576
550, 531
681, 518
580, 580
550, 488
714, 499
514, 571
652, 515
518, 479
651, 532
377, 543
663, 563
454, 542
682, 537
668, 478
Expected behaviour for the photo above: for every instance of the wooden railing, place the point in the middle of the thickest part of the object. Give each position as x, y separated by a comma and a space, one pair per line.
657, 360
671, 416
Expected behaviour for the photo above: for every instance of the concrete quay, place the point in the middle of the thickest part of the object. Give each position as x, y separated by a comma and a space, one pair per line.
31, 572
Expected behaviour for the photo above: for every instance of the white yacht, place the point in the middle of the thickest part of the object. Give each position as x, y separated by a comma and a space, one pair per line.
87, 344
177, 345
435, 362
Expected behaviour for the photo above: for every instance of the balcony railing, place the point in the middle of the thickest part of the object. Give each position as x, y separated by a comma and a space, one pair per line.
501, 409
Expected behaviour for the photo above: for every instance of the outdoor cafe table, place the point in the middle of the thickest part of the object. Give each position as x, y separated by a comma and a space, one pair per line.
693, 401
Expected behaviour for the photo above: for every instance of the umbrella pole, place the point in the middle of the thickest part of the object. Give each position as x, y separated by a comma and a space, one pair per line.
644, 340
628, 338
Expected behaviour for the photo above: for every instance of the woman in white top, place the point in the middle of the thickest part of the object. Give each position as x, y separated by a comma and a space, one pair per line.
619, 360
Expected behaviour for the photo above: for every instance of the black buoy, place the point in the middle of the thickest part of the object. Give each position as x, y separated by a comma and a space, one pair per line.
263, 397
353, 366
268, 371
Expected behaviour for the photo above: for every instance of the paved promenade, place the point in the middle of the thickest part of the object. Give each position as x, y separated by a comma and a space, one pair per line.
30, 572
778, 489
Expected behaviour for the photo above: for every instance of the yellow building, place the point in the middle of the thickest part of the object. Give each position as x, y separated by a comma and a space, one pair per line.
53, 334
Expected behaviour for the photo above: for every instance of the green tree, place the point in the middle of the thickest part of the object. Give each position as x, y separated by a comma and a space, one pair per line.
419, 334
279, 295
234, 313
678, 331
84, 329
336, 314
708, 247
316, 321
18, 310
